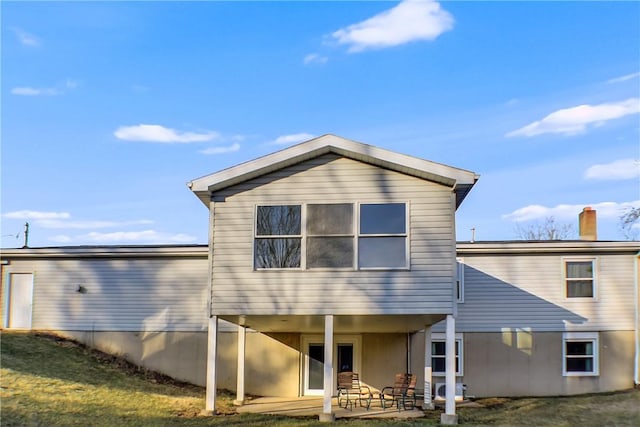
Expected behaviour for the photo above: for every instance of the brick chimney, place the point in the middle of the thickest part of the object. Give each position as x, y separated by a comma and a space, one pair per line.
588, 225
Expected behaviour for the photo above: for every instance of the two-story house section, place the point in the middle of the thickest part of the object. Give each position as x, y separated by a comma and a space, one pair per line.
547, 318
339, 249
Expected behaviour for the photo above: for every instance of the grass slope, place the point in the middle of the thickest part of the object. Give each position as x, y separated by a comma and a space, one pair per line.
48, 381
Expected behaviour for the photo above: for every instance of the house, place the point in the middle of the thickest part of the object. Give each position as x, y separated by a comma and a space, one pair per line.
327, 241
333, 255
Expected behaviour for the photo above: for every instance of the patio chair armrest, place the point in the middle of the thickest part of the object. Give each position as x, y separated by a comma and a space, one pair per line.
365, 390
386, 390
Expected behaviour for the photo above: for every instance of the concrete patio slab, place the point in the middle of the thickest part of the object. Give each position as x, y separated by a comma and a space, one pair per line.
310, 406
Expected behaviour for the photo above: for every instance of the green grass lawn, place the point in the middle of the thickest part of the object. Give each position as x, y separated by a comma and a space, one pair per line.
47, 381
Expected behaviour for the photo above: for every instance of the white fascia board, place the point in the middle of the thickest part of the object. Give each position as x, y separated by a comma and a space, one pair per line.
108, 252
459, 179
558, 246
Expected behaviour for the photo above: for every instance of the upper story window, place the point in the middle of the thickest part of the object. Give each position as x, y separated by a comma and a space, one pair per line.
580, 278
278, 240
324, 236
382, 241
330, 236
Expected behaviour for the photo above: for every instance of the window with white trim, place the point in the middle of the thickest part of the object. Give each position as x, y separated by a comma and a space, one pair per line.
310, 236
382, 240
439, 354
330, 241
278, 237
580, 354
580, 278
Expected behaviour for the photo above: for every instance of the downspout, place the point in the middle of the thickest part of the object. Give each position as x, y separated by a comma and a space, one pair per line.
408, 353
454, 251
212, 322
4, 280
210, 257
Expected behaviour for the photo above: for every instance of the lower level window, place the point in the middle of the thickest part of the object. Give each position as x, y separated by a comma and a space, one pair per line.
439, 354
580, 354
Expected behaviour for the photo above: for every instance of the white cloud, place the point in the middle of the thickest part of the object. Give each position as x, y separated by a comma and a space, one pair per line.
157, 133
221, 150
87, 224
59, 89
62, 220
70, 84
145, 236
25, 38
604, 209
624, 78
512, 102
616, 170
292, 139
37, 215
315, 58
575, 120
33, 91
408, 21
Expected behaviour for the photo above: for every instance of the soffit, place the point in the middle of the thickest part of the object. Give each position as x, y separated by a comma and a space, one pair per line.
343, 324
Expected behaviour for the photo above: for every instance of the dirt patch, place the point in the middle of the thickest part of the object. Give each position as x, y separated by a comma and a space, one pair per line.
493, 402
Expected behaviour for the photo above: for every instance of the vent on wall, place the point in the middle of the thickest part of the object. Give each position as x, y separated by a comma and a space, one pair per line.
441, 391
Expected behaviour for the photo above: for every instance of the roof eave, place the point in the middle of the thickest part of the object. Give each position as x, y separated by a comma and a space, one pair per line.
115, 251
550, 246
460, 180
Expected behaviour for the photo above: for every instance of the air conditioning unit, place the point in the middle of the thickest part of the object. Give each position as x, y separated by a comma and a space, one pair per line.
441, 391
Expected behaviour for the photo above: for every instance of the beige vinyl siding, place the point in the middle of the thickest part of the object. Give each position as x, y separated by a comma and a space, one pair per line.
425, 288
122, 294
528, 291
507, 365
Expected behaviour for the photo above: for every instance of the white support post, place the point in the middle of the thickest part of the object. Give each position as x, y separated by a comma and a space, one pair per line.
212, 350
428, 370
327, 415
449, 417
242, 339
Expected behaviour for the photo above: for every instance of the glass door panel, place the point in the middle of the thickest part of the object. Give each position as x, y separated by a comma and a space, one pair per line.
315, 372
345, 358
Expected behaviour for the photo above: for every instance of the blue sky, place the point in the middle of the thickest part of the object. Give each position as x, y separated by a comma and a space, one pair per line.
108, 109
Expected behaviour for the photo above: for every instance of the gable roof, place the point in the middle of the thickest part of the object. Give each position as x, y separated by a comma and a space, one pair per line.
461, 181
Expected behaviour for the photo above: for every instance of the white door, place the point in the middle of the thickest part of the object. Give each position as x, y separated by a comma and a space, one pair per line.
20, 300
346, 357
